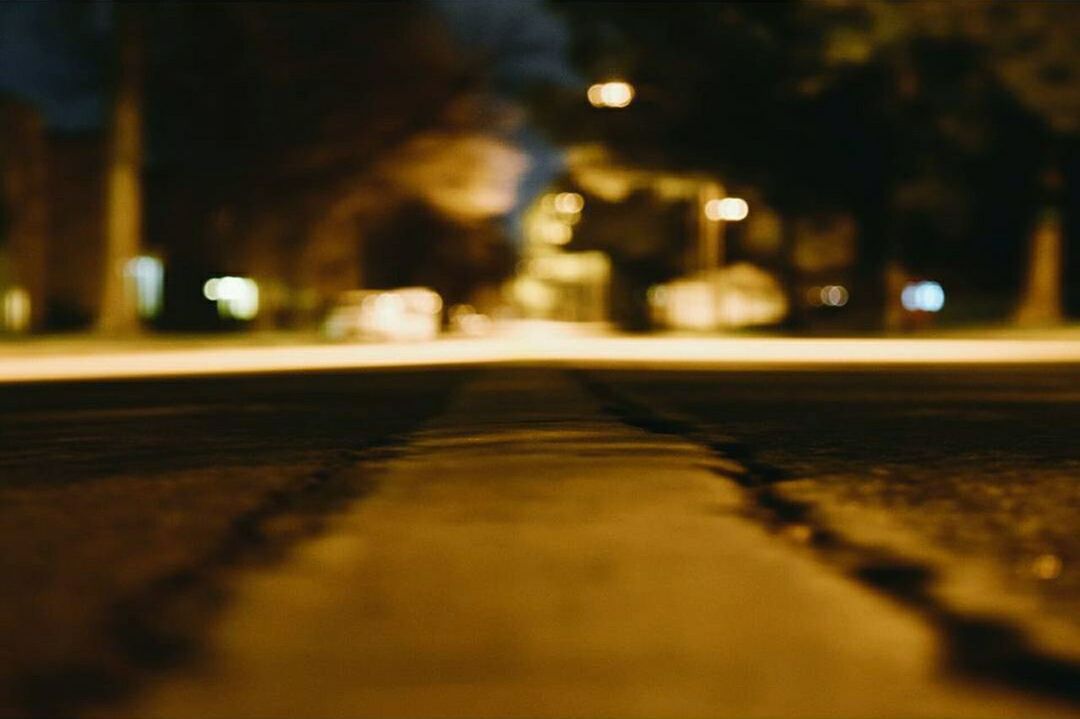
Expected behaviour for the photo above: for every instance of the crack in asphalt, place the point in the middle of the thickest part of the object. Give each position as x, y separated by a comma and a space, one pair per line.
160, 626
979, 648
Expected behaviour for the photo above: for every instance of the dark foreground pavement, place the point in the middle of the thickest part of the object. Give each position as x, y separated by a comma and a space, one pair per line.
891, 543
123, 503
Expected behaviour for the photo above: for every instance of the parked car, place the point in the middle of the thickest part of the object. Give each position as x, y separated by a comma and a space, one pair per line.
396, 315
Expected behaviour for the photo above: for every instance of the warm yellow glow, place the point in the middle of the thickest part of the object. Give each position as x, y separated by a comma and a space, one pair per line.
730, 209
533, 294
595, 95
1046, 566
569, 203
644, 352
425, 301
611, 94
712, 210
569, 267
689, 305
236, 297
617, 94
465, 175
409, 314
123, 213
16, 310
738, 296
556, 233
468, 322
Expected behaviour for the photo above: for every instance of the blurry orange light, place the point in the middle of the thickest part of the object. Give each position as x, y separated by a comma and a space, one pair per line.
569, 203
236, 297
556, 233
16, 310
1046, 566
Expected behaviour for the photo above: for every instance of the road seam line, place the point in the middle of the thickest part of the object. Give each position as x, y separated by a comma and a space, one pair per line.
983, 648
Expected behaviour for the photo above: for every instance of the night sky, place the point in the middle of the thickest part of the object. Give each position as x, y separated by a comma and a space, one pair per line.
52, 54
540, 40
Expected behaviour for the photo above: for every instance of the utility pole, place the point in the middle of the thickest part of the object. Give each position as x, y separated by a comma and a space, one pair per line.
710, 229
1041, 303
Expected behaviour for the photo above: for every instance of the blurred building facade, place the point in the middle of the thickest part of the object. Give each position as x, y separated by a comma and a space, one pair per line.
23, 216
76, 198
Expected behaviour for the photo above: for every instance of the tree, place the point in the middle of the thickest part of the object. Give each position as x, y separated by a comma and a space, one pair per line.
898, 113
124, 161
1030, 51
749, 92
301, 125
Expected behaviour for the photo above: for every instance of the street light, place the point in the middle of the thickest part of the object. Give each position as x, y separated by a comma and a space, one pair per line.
731, 209
568, 203
715, 210
615, 94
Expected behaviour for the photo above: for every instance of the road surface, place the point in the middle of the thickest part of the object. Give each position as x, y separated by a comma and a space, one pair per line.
529, 541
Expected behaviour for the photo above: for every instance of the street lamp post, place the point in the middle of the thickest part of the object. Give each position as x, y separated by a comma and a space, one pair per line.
710, 228
716, 211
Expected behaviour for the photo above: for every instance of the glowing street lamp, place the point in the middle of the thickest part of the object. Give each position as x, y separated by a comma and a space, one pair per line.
730, 209
615, 94
236, 297
715, 211
568, 203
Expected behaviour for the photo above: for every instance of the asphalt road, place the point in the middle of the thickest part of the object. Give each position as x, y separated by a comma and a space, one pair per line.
982, 463
121, 502
127, 508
